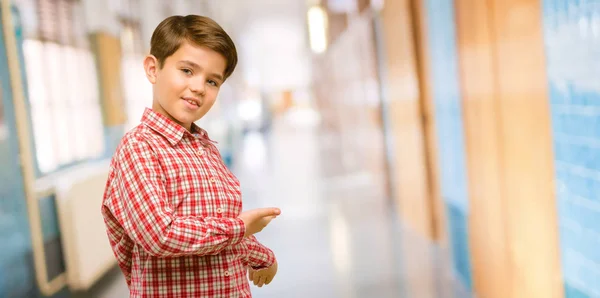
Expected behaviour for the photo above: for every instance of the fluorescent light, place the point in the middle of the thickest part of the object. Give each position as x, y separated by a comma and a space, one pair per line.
317, 29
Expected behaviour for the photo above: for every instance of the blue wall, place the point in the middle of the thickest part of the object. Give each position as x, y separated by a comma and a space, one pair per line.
449, 126
572, 43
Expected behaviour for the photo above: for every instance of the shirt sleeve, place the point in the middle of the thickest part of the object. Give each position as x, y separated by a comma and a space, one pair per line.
141, 206
259, 256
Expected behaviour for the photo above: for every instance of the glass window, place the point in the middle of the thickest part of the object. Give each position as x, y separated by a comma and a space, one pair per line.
62, 83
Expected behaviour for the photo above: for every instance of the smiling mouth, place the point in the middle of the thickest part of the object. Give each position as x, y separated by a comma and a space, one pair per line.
192, 102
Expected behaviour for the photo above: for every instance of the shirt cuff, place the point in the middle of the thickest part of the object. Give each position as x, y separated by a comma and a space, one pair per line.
259, 256
238, 230
268, 263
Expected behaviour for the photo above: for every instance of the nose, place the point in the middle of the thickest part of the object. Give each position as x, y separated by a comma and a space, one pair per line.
198, 86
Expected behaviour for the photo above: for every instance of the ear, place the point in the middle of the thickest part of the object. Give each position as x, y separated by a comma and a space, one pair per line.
151, 68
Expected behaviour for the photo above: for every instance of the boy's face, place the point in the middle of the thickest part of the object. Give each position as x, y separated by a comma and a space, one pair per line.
186, 87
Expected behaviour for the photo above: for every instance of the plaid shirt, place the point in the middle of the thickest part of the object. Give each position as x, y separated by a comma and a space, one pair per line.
170, 208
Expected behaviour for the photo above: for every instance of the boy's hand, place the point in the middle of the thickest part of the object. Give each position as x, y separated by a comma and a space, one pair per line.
263, 276
257, 219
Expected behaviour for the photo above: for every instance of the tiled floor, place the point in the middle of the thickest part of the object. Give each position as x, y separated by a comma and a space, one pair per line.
337, 236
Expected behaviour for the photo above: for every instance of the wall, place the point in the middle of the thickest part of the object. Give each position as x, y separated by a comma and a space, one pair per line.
444, 82
512, 224
345, 84
16, 267
409, 157
572, 43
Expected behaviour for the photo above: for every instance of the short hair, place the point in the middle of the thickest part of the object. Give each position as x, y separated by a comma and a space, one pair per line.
198, 30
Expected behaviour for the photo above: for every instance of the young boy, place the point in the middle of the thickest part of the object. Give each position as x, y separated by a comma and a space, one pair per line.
171, 207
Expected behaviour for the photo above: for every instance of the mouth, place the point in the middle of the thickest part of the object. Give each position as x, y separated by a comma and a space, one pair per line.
193, 102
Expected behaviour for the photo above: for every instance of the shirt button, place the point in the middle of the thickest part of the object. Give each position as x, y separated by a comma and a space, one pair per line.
227, 273
201, 152
219, 210
212, 179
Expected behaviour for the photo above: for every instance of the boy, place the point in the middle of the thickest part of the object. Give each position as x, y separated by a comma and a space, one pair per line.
171, 207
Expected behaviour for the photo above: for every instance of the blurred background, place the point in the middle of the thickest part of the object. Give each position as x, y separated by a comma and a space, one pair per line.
417, 148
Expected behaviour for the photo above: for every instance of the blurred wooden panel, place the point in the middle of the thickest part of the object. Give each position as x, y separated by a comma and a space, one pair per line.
107, 50
413, 201
413, 197
528, 174
513, 227
422, 57
487, 235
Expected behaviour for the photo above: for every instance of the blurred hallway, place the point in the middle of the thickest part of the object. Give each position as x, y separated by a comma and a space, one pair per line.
417, 148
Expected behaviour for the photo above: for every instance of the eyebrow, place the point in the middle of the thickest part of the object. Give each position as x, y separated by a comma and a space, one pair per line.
196, 66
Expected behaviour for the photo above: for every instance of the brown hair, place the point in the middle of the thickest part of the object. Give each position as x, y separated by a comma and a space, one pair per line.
199, 30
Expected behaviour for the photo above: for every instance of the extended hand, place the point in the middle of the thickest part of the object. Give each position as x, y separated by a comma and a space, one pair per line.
263, 276
257, 219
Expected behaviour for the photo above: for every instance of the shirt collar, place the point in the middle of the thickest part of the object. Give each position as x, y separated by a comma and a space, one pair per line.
168, 128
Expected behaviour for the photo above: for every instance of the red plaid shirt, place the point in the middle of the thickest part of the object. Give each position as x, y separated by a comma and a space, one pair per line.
170, 208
